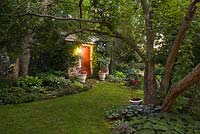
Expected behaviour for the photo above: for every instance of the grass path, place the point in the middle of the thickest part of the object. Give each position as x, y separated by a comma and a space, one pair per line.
75, 114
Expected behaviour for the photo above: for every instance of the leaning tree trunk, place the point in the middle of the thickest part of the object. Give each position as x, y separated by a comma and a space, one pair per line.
171, 59
191, 78
184, 84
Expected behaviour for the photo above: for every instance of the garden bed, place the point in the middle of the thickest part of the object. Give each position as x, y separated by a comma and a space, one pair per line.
41, 87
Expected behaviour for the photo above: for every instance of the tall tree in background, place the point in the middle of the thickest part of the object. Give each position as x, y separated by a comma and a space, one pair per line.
18, 31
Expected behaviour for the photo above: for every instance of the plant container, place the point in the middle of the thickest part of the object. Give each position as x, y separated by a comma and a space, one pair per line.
136, 101
82, 77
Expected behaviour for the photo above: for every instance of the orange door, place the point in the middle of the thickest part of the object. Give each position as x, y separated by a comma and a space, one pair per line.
85, 60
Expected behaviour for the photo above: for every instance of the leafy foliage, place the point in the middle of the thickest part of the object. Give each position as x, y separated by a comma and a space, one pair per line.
135, 119
16, 95
49, 79
194, 100
29, 81
129, 111
47, 85
6, 83
117, 77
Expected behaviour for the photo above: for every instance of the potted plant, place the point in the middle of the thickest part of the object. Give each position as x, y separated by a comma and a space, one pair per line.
135, 100
82, 75
102, 75
104, 67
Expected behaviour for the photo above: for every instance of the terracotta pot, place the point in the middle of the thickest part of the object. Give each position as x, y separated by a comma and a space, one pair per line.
82, 77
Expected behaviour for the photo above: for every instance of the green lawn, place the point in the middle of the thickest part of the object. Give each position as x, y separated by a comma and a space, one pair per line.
75, 114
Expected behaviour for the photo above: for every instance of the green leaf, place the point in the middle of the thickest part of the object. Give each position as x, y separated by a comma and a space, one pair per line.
147, 125
147, 131
160, 127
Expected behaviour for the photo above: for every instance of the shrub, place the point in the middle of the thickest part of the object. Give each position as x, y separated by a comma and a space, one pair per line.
77, 86
131, 70
112, 78
189, 101
181, 104
35, 89
194, 99
12, 95
117, 77
17, 95
120, 75
58, 73
29, 81
6, 83
57, 81
52, 80
30, 97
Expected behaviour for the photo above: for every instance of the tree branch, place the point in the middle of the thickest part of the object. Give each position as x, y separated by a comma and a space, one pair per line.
80, 10
60, 18
80, 3
129, 40
91, 30
165, 85
115, 34
188, 81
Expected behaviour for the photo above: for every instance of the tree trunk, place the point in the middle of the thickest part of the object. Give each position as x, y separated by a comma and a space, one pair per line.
80, 11
184, 84
24, 62
44, 5
150, 85
171, 59
24, 59
16, 70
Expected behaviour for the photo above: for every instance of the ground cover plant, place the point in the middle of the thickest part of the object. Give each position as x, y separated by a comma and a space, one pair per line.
139, 119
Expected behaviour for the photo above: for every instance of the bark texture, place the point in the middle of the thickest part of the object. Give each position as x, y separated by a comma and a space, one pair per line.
171, 59
16, 70
24, 62
184, 84
150, 81
24, 59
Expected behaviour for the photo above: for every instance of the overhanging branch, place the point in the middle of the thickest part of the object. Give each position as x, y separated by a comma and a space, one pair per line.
129, 40
93, 31
115, 34
60, 18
